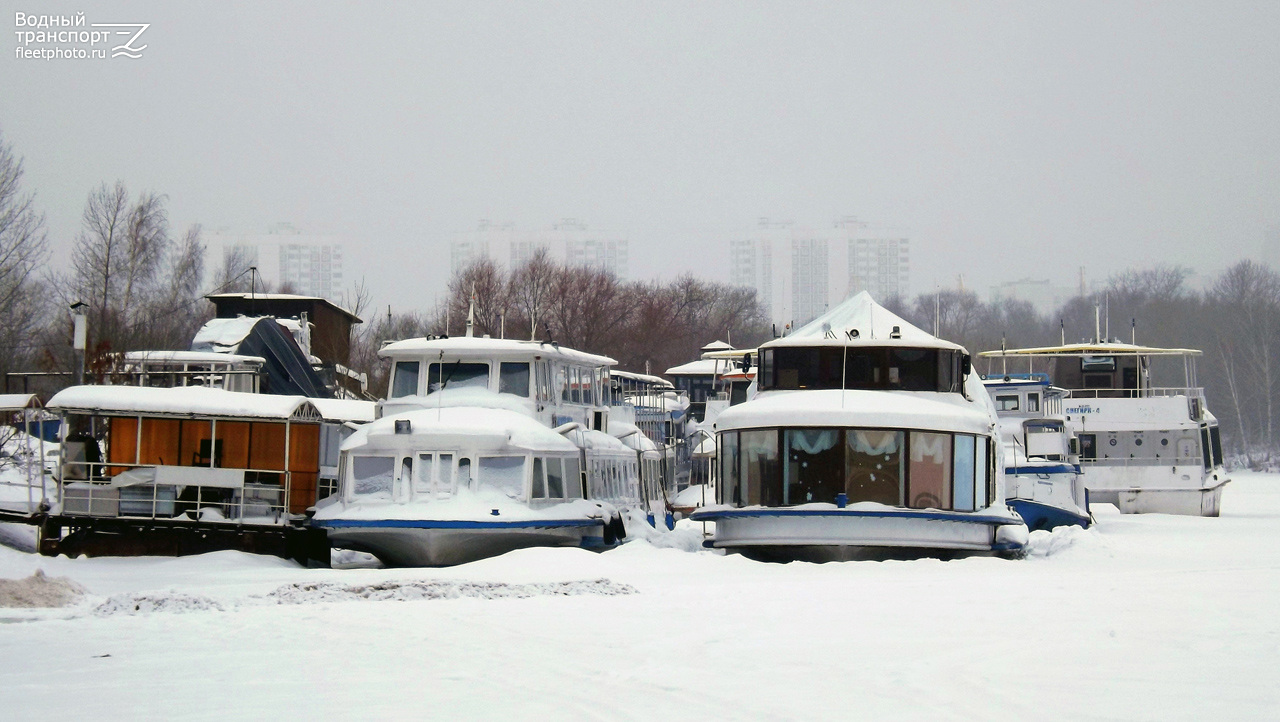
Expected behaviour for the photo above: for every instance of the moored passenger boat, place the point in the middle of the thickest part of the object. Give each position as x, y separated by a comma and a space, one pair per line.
489, 445
1042, 475
1142, 447
867, 438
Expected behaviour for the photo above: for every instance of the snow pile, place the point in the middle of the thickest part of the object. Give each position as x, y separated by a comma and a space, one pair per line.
38, 590
1065, 538
412, 591
687, 536
150, 602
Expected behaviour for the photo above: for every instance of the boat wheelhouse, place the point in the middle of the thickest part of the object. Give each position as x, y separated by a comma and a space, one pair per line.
1142, 447
488, 445
867, 438
1042, 474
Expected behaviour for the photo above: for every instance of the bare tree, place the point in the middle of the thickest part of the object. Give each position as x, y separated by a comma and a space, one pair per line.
23, 249
530, 289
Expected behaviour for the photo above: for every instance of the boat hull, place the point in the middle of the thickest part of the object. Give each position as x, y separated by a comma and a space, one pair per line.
1040, 516
415, 543
845, 534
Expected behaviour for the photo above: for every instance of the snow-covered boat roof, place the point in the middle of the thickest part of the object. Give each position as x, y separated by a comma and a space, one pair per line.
463, 428
478, 346
1093, 349
631, 435
209, 357
700, 367
916, 410
338, 410
185, 402
716, 346
642, 378
875, 326
17, 402
223, 333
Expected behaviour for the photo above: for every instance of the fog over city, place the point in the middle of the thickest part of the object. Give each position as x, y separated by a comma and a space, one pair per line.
1005, 140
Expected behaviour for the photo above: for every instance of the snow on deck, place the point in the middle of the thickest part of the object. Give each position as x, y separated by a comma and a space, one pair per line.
1147, 617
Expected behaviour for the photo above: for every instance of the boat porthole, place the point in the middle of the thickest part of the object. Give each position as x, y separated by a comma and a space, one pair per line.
1164, 442
1113, 442
1137, 442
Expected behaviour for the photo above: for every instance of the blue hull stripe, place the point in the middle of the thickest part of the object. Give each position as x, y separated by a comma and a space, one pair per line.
1033, 470
451, 524
1044, 516
897, 514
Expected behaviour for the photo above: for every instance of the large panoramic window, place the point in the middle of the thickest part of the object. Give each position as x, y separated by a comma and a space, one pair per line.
457, 375
372, 477
504, 473
513, 378
405, 381
914, 469
833, 367
874, 466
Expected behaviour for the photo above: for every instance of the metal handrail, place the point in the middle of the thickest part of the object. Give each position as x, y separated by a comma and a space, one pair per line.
97, 479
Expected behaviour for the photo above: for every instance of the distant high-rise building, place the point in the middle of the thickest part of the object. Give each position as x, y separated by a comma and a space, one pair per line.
880, 266
568, 241
810, 269
309, 265
751, 266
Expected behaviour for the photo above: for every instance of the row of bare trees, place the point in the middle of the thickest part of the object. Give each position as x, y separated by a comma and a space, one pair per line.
648, 326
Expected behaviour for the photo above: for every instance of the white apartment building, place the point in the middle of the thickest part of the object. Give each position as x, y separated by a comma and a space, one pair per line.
311, 265
799, 272
568, 241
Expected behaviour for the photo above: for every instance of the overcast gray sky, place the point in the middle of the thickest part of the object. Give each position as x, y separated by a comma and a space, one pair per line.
1006, 139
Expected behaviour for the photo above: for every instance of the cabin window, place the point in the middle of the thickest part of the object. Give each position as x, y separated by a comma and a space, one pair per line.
1097, 363
573, 478
1088, 446
760, 467
575, 385
464, 473
539, 480
929, 479
457, 375
1007, 403
963, 474
444, 474
1033, 401
560, 385
504, 473
513, 378
981, 474
1215, 438
555, 478
814, 466
728, 491
426, 466
405, 381
874, 466
372, 477
909, 369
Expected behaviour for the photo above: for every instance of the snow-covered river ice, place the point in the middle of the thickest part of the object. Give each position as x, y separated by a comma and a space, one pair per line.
1141, 617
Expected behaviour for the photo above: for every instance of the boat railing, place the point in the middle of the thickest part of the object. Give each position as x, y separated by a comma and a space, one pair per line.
1169, 461
1194, 392
94, 489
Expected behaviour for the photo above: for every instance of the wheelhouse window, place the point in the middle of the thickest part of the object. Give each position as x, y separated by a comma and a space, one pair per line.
373, 477
1007, 403
894, 368
913, 469
1033, 401
504, 473
457, 375
513, 378
405, 379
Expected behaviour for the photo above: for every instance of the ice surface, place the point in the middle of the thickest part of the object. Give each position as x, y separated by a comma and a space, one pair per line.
1147, 617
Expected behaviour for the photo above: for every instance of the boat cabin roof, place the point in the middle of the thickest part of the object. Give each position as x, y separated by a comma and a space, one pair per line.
861, 322
641, 378
497, 348
1092, 349
188, 402
700, 367
18, 402
192, 357
467, 429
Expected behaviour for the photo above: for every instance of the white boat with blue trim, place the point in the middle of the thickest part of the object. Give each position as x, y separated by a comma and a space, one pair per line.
868, 438
1042, 473
489, 445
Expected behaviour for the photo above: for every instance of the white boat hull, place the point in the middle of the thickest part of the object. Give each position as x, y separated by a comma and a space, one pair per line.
853, 533
438, 544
